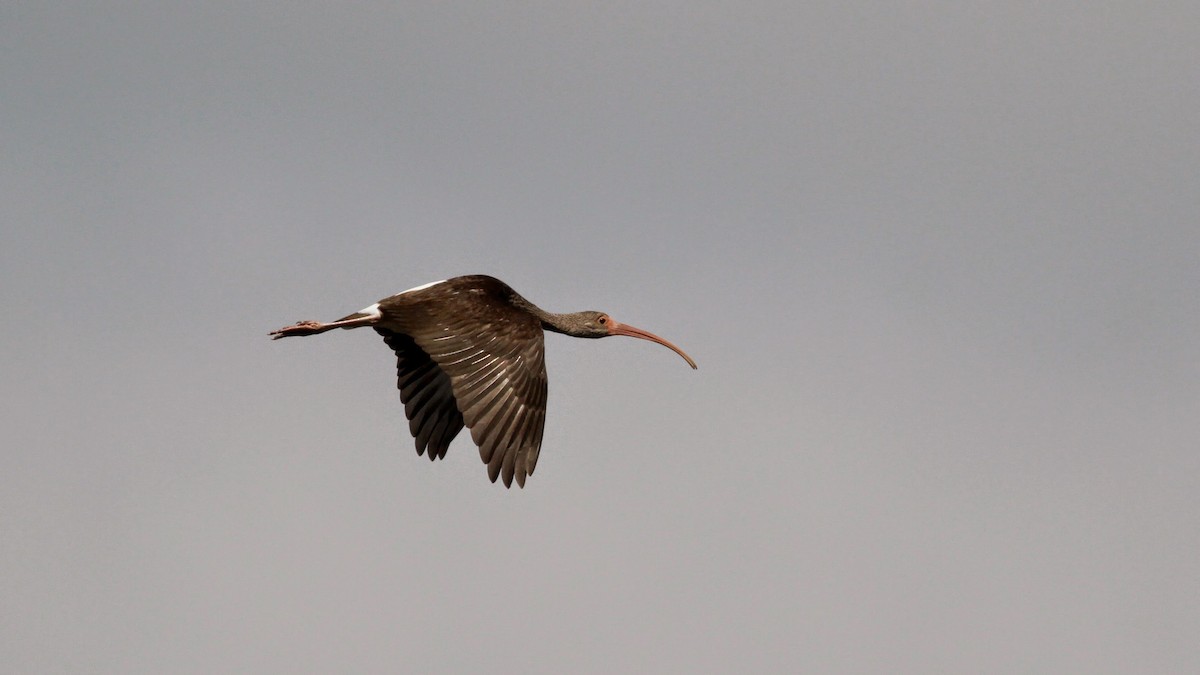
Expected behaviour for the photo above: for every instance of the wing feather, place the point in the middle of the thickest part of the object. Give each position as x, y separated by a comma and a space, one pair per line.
427, 394
490, 361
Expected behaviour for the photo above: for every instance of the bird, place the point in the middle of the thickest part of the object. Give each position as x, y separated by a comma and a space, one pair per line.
470, 352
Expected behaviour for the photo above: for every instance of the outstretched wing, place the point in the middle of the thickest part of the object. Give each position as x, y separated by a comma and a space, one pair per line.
498, 374
425, 391
494, 358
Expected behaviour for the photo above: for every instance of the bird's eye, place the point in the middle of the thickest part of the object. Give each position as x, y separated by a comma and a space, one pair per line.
603, 319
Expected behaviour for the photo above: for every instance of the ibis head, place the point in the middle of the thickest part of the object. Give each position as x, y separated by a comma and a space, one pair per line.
593, 324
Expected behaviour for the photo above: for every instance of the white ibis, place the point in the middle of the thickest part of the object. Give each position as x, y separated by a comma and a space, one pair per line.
469, 352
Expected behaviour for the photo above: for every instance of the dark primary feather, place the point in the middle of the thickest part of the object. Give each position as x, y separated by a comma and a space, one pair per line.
425, 391
482, 366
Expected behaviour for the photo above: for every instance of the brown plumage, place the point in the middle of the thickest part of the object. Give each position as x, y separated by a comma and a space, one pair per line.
470, 352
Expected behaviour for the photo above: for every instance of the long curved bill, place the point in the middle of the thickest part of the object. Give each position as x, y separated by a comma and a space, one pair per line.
616, 328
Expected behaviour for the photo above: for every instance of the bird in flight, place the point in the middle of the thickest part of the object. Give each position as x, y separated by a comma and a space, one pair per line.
469, 352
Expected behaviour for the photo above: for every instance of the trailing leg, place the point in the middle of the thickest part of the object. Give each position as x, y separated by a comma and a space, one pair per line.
313, 327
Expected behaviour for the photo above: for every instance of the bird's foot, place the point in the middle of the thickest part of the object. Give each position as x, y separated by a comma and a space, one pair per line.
298, 328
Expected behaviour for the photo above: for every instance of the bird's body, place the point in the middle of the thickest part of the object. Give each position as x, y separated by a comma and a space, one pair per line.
470, 352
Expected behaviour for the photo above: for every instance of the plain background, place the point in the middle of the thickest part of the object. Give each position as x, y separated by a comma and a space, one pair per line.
938, 261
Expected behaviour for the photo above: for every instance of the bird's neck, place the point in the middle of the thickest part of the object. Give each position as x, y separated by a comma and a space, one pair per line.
558, 323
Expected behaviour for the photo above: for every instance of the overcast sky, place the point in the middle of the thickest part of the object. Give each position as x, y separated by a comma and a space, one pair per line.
939, 263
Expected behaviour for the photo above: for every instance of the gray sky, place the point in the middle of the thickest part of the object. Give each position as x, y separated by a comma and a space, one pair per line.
938, 261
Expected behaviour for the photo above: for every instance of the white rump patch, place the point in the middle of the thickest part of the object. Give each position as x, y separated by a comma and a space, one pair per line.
421, 287
372, 311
